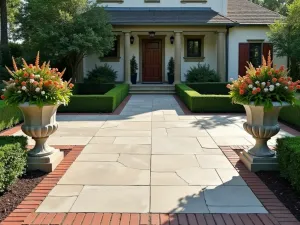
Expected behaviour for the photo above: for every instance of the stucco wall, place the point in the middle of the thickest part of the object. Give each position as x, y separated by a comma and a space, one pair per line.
217, 5
209, 54
242, 35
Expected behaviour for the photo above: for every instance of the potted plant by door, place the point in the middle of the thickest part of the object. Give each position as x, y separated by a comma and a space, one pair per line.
263, 92
133, 69
171, 65
38, 91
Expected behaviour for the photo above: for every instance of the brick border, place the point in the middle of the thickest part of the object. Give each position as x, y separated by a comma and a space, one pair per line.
34, 199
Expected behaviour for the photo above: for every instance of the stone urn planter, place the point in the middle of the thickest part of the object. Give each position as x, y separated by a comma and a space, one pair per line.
40, 123
262, 124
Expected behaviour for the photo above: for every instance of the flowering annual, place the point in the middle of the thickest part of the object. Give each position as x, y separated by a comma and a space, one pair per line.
35, 84
264, 85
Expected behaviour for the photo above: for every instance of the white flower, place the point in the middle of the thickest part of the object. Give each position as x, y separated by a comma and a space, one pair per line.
37, 89
263, 83
277, 84
43, 92
31, 81
10, 79
250, 86
286, 87
257, 82
4, 89
37, 76
272, 86
266, 89
19, 92
24, 88
254, 88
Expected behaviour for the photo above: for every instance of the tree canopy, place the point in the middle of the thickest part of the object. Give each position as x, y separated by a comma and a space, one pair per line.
279, 6
68, 29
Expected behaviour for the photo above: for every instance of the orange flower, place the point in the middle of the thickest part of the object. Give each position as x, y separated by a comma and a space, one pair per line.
291, 88
35, 83
258, 90
2, 97
276, 71
298, 87
55, 83
71, 85
31, 76
41, 79
257, 73
270, 73
228, 86
30, 66
41, 83
16, 81
25, 75
274, 80
23, 83
249, 81
254, 92
242, 91
281, 79
281, 68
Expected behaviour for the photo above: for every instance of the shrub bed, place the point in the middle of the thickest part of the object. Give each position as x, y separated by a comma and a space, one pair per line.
12, 159
288, 153
206, 103
213, 88
9, 116
291, 115
106, 103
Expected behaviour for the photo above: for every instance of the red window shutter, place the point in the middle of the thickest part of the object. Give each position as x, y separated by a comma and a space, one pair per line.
267, 47
243, 58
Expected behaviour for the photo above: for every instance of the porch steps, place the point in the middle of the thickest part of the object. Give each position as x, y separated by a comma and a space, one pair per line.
152, 89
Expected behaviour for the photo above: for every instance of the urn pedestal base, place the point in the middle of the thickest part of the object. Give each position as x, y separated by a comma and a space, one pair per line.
255, 164
46, 163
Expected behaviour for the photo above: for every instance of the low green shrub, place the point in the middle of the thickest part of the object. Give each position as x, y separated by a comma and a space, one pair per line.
206, 103
92, 89
106, 103
13, 159
288, 154
101, 75
9, 116
201, 73
291, 115
214, 88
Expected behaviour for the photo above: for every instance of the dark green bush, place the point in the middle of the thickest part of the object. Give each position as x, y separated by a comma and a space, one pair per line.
106, 103
101, 75
201, 73
288, 154
291, 115
9, 116
12, 159
206, 103
214, 88
92, 89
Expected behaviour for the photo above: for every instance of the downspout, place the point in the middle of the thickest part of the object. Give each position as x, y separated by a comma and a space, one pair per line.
227, 52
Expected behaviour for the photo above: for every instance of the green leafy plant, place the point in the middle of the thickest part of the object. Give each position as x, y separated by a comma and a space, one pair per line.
13, 159
35, 84
263, 86
201, 73
133, 66
171, 68
101, 75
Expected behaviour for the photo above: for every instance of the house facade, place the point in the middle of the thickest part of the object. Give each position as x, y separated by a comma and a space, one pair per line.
222, 33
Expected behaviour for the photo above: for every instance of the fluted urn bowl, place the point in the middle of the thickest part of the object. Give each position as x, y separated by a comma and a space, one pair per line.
262, 125
39, 123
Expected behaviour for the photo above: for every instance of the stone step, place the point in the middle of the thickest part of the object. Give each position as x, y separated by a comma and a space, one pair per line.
152, 92
152, 87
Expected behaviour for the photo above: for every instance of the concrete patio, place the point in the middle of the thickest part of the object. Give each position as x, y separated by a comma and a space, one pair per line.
152, 158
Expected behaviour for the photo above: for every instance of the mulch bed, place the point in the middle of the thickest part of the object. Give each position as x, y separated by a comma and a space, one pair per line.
10, 199
283, 191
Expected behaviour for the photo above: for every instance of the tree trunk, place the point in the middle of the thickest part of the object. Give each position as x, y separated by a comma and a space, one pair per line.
4, 29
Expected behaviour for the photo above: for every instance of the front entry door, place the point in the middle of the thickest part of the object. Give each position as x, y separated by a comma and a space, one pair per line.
152, 61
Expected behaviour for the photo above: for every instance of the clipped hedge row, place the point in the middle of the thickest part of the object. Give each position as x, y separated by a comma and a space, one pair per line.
291, 115
92, 89
206, 103
106, 103
288, 154
13, 159
9, 116
212, 88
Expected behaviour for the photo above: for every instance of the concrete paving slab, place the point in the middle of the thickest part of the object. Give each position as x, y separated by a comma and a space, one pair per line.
56, 204
97, 158
112, 149
171, 163
214, 162
135, 140
199, 176
231, 177
66, 190
166, 178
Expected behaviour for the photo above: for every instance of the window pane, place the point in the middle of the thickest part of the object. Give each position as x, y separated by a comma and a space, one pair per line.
114, 51
255, 54
193, 48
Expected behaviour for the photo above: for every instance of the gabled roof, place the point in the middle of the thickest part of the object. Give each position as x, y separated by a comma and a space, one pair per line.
246, 12
165, 16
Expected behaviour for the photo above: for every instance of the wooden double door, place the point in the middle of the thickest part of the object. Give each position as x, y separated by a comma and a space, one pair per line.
152, 60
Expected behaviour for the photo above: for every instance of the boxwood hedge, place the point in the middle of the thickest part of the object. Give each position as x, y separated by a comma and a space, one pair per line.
212, 88
106, 103
9, 116
291, 115
13, 159
206, 103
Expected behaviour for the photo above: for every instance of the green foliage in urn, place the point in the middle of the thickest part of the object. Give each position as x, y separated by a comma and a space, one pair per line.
13, 159
37, 85
201, 73
264, 85
101, 75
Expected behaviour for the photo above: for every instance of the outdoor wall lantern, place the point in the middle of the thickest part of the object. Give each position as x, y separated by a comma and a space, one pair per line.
152, 34
172, 39
131, 39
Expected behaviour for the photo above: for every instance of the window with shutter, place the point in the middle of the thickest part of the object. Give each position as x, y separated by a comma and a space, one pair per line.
243, 57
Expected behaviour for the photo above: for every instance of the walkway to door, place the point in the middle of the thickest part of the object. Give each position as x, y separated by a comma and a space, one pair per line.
152, 159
